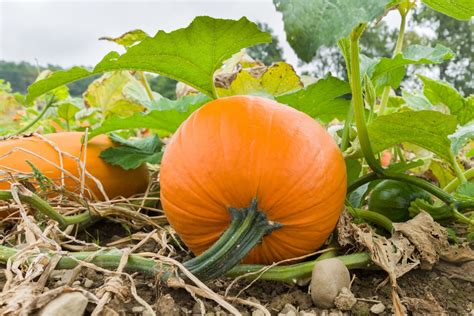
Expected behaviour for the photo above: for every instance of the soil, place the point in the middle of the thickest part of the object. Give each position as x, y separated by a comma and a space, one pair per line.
456, 297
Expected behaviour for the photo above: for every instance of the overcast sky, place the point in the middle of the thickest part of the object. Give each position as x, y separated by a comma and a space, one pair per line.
66, 32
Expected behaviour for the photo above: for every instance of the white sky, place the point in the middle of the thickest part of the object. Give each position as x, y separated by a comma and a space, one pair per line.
65, 32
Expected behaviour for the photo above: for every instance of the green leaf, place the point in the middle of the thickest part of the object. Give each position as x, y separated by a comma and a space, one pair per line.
190, 55
312, 24
440, 92
416, 101
353, 169
56, 79
427, 129
116, 93
465, 190
127, 39
275, 80
67, 111
320, 100
441, 172
458, 9
461, 137
395, 101
390, 71
131, 154
165, 116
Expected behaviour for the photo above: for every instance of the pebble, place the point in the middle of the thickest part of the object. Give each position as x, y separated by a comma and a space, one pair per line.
328, 278
378, 308
71, 304
288, 310
258, 312
138, 309
88, 283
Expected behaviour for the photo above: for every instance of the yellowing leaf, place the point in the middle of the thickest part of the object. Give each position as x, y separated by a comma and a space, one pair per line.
116, 93
8, 109
275, 80
127, 39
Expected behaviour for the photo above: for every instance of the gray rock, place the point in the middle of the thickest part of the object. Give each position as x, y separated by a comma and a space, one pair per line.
328, 278
70, 304
377, 308
258, 312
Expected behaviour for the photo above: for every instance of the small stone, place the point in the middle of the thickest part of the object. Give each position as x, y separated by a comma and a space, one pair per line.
288, 310
71, 304
166, 305
328, 278
88, 283
138, 309
258, 312
345, 300
76, 283
377, 308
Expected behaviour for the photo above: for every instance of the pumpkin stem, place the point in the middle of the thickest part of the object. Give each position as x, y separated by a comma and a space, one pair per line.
247, 228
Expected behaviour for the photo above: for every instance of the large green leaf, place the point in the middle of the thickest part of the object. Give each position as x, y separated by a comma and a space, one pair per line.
458, 9
390, 71
440, 92
166, 116
427, 129
131, 154
320, 100
190, 55
312, 24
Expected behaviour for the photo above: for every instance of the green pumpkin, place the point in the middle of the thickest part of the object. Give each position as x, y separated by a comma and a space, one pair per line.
392, 199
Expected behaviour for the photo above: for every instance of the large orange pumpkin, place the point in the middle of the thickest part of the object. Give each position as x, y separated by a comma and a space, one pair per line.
41, 153
238, 148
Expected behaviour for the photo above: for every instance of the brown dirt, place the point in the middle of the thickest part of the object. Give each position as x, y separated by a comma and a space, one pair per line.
455, 296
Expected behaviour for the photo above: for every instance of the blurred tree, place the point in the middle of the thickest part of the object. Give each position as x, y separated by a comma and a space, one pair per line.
267, 53
380, 40
163, 85
452, 33
21, 75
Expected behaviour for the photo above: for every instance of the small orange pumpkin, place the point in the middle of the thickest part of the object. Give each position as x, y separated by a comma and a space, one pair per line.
238, 148
42, 154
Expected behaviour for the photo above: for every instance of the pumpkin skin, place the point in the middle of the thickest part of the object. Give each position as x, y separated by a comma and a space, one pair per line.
237, 148
115, 180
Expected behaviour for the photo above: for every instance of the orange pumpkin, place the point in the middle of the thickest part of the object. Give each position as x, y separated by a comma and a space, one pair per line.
238, 148
41, 153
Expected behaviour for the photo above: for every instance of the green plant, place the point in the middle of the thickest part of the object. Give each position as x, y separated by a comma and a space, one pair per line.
427, 133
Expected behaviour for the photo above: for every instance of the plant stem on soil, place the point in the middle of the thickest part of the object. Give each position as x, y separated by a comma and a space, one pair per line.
111, 259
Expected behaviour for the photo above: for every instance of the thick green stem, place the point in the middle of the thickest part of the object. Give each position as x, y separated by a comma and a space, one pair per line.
396, 51
36, 120
291, 273
248, 227
359, 102
136, 263
366, 178
373, 218
42, 206
451, 186
457, 169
